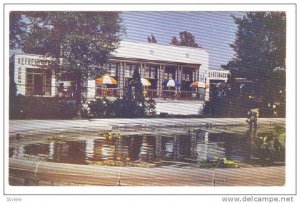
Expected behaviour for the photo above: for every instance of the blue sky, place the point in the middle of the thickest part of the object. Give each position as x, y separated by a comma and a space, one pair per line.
214, 31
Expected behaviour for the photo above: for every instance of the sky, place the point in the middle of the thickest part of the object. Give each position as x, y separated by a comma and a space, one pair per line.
213, 31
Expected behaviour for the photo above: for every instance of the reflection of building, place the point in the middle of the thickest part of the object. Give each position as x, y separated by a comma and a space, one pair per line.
155, 62
18, 152
147, 149
102, 150
203, 148
89, 148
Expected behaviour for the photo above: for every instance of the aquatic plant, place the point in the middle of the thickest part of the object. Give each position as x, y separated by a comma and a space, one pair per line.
218, 163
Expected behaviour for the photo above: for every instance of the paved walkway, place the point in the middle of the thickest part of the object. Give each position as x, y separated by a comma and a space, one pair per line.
107, 124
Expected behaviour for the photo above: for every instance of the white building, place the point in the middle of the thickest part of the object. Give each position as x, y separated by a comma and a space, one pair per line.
32, 75
156, 62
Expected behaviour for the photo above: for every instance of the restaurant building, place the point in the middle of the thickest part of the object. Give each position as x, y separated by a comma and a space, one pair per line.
157, 64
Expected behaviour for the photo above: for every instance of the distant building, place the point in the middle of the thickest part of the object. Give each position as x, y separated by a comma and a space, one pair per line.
157, 63
217, 76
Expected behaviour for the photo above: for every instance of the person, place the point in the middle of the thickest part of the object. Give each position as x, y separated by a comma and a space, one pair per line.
61, 90
252, 116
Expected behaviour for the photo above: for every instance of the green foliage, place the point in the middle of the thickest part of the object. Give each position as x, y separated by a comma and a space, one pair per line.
174, 41
98, 108
16, 28
230, 102
218, 163
150, 107
186, 39
137, 85
151, 39
128, 109
120, 108
42, 108
271, 146
66, 110
260, 44
79, 41
260, 51
87, 38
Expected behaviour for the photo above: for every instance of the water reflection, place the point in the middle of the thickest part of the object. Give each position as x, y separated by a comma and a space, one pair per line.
17, 152
89, 148
189, 147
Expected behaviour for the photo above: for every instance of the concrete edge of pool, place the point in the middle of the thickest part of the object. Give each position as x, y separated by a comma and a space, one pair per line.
107, 124
28, 172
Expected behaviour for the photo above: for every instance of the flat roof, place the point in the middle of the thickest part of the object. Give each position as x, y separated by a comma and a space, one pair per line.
153, 52
158, 52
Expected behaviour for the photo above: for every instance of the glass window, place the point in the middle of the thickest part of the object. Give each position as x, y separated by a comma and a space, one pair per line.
153, 72
150, 72
111, 69
38, 82
147, 72
129, 69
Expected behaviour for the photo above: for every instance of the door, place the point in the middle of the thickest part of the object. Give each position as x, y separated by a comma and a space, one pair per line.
38, 84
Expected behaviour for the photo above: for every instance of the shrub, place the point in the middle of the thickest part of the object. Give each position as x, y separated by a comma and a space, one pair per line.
42, 108
97, 108
67, 109
150, 107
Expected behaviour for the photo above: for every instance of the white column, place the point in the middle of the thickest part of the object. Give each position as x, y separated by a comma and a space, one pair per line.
20, 79
53, 85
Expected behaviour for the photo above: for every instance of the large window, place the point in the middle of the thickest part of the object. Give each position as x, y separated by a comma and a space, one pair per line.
150, 72
169, 72
187, 75
112, 69
38, 82
129, 69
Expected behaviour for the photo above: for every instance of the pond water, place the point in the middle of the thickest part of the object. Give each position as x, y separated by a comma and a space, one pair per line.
152, 146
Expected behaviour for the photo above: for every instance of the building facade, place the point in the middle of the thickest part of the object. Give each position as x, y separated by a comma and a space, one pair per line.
156, 63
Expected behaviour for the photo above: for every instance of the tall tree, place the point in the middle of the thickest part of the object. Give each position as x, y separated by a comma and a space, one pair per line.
133, 103
16, 28
137, 84
174, 41
186, 39
151, 39
260, 51
83, 40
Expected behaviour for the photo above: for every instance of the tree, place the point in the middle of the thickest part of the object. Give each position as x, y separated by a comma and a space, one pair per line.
186, 39
259, 47
133, 102
16, 28
137, 85
174, 41
151, 39
83, 40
